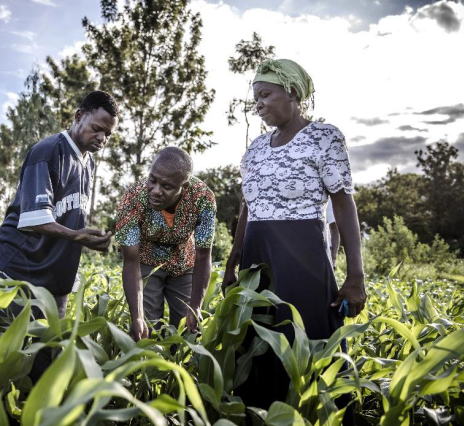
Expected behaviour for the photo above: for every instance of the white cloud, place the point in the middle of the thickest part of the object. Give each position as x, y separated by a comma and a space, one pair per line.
76, 48
12, 98
45, 2
29, 49
401, 62
5, 13
30, 35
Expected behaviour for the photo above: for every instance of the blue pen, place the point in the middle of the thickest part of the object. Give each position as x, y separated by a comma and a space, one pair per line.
343, 310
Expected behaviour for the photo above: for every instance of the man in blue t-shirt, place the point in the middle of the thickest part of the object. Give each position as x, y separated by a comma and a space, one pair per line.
44, 229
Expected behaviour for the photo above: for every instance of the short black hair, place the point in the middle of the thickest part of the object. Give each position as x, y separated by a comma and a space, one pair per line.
176, 158
100, 99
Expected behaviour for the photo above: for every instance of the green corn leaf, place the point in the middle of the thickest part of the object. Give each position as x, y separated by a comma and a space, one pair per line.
438, 384
400, 377
330, 374
86, 328
156, 361
166, 404
324, 357
342, 386
89, 389
396, 301
224, 422
103, 300
209, 395
277, 301
90, 366
210, 290
217, 373
12, 340
3, 416
233, 408
301, 350
6, 296
48, 305
328, 413
395, 270
281, 414
282, 349
258, 347
123, 340
49, 390
400, 329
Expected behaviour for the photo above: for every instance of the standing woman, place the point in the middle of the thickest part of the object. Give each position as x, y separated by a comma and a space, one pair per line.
288, 175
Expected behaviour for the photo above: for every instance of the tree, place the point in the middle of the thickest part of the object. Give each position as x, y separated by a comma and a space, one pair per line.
47, 106
250, 55
397, 194
444, 189
70, 82
147, 57
225, 182
30, 120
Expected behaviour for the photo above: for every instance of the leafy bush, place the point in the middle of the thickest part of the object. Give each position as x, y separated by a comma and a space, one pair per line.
222, 242
394, 243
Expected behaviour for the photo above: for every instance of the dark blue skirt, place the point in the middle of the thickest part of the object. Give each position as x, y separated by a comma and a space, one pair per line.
303, 275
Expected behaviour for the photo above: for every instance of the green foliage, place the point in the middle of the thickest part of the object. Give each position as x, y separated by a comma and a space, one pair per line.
395, 243
222, 242
430, 204
226, 183
405, 356
147, 57
400, 194
250, 54
444, 184
46, 106
30, 120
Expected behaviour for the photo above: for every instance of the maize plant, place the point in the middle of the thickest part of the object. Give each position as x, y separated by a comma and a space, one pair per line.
404, 358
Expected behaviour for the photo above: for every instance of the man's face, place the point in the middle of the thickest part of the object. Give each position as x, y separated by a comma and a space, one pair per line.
274, 104
164, 186
92, 130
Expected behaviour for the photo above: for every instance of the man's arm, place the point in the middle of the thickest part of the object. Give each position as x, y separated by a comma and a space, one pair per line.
234, 258
94, 239
200, 281
335, 242
133, 289
347, 221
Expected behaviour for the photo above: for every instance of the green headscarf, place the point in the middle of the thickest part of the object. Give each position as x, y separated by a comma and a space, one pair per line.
288, 74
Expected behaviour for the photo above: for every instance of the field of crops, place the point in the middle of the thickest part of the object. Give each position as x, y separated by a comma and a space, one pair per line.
406, 353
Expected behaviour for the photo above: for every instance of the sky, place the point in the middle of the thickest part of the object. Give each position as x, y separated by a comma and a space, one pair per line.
388, 73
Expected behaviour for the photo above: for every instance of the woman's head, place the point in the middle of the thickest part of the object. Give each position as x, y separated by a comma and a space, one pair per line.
282, 88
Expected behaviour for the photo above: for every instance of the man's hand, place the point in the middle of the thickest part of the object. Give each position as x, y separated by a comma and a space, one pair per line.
94, 239
138, 330
191, 322
230, 277
355, 294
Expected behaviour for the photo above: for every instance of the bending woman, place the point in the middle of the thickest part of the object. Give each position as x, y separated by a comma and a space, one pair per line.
288, 175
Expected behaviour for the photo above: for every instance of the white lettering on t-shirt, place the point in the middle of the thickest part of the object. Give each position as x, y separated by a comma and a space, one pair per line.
70, 202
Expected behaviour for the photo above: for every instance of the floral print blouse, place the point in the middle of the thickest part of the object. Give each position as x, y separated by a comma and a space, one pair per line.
172, 248
292, 182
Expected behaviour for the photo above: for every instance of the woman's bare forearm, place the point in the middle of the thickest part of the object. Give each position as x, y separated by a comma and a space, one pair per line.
348, 225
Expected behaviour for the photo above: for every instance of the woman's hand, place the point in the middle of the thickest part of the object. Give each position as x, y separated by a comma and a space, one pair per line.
354, 292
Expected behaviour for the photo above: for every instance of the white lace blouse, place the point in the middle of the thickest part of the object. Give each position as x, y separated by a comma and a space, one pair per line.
292, 182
